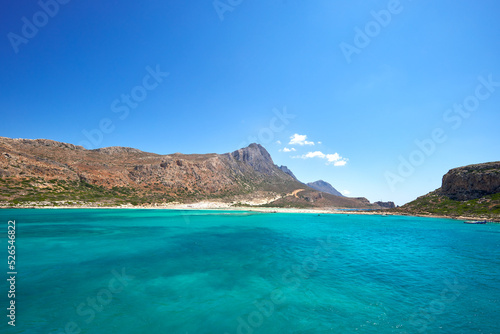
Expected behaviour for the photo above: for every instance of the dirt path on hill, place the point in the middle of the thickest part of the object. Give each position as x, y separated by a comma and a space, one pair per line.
295, 192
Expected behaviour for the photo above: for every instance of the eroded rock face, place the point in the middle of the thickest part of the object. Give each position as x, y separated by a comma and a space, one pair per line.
256, 156
471, 182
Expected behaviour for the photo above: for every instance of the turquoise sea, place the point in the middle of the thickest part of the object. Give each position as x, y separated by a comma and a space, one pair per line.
160, 271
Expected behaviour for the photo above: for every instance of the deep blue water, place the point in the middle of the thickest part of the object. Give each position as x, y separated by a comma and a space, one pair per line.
158, 271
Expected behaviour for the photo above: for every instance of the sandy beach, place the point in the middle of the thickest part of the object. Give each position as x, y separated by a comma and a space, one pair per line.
218, 206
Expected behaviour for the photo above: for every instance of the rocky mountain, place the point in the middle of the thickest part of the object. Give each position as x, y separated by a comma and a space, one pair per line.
288, 171
325, 187
472, 191
50, 172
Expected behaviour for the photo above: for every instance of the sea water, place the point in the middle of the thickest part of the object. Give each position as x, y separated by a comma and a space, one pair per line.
162, 271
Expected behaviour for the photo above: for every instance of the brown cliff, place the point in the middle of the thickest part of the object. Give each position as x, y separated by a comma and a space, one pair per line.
472, 182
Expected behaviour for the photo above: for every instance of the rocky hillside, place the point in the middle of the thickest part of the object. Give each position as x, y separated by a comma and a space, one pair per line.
325, 187
472, 182
288, 171
472, 191
55, 173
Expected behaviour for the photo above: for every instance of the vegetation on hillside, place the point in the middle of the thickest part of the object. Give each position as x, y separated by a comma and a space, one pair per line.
38, 192
435, 203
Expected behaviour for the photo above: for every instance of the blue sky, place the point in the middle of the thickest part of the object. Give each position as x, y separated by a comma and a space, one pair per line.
361, 80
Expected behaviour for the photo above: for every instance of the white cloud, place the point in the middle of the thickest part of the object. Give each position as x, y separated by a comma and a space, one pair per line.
286, 149
346, 192
301, 140
334, 159
316, 154
319, 143
278, 142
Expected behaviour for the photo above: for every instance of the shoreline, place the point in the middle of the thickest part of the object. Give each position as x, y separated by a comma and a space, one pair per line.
226, 207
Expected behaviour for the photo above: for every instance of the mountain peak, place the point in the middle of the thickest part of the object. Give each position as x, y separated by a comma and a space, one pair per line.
254, 145
256, 156
325, 187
